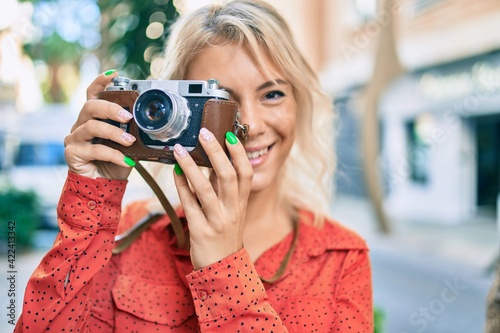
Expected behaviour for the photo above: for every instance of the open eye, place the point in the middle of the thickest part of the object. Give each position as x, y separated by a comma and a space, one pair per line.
274, 95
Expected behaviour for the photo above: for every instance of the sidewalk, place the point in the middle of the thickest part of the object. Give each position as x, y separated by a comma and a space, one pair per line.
475, 243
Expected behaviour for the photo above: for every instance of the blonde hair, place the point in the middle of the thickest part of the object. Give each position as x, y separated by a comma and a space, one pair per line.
306, 180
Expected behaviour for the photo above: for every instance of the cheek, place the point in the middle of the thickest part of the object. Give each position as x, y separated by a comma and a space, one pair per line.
286, 125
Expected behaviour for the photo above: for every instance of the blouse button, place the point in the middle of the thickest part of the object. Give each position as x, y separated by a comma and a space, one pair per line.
91, 204
202, 294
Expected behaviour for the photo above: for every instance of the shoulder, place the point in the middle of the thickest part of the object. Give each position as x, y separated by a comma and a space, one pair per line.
332, 235
132, 214
138, 213
142, 218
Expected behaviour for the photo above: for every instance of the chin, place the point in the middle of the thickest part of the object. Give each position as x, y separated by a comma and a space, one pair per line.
261, 183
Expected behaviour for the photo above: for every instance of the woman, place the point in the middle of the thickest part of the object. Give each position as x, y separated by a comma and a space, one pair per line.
269, 202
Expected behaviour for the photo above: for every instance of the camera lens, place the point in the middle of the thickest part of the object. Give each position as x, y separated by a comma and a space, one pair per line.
162, 114
155, 111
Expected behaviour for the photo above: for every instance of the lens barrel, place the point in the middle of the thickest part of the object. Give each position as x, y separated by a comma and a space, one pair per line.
162, 114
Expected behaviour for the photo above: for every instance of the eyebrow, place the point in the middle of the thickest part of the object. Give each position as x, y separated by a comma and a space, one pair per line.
270, 84
261, 87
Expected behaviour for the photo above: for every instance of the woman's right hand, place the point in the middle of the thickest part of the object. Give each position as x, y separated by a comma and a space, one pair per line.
96, 160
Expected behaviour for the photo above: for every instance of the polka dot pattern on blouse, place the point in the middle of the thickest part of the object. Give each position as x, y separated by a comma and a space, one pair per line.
151, 287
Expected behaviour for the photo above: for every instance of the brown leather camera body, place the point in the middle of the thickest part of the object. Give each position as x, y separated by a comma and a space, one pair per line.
219, 116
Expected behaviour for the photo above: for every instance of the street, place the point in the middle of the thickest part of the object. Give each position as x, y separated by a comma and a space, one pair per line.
427, 277
425, 293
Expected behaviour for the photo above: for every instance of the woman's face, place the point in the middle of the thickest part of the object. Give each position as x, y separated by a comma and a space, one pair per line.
267, 105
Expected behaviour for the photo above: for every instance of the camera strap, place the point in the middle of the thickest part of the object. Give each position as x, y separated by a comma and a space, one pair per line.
124, 241
174, 219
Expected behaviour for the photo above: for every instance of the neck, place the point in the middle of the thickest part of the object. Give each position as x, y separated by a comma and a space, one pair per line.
263, 206
267, 221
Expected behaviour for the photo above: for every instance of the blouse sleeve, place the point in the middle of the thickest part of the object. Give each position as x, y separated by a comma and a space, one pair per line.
230, 297
353, 298
59, 293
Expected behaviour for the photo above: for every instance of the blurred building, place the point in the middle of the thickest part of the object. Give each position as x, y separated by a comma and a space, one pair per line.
440, 121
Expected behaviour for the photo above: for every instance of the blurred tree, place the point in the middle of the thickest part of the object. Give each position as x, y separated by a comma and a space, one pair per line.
493, 303
55, 52
133, 34
387, 66
22, 209
378, 320
65, 31
123, 34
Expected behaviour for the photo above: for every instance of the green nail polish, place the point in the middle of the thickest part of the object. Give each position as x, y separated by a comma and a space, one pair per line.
129, 161
111, 71
178, 169
231, 138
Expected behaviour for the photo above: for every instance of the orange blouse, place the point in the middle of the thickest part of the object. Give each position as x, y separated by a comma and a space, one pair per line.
151, 287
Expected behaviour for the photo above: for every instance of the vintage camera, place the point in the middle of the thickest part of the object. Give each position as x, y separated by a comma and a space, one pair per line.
167, 112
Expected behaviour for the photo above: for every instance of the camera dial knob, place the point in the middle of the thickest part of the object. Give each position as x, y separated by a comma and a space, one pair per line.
213, 84
121, 81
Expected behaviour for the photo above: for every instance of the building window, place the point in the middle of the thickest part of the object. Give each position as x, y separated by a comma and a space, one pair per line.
418, 132
487, 162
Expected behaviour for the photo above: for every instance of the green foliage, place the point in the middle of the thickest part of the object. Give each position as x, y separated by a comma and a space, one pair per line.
23, 208
64, 31
125, 44
55, 50
379, 319
113, 30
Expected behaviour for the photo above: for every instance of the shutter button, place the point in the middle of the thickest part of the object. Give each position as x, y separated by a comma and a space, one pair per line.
91, 204
202, 294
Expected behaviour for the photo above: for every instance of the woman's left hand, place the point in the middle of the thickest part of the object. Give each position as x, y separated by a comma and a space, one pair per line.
215, 212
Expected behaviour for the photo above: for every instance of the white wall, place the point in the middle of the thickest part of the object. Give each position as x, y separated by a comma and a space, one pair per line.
449, 195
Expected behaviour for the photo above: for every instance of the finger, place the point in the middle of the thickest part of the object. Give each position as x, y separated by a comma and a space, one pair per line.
100, 83
80, 155
212, 177
201, 185
226, 174
99, 129
188, 199
102, 109
241, 164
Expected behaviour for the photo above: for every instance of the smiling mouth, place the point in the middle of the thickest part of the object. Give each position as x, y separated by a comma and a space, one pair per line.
256, 154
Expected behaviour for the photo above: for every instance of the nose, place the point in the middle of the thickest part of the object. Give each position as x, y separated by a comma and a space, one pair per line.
251, 115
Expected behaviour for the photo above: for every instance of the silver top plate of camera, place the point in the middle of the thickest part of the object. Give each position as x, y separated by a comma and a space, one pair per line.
191, 88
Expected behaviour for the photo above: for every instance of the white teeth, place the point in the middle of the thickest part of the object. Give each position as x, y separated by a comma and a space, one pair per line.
255, 154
